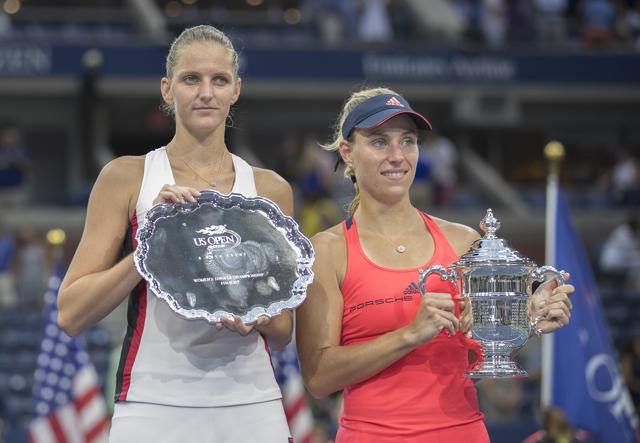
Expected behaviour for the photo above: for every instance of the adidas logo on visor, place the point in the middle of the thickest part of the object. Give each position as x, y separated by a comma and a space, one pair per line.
394, 102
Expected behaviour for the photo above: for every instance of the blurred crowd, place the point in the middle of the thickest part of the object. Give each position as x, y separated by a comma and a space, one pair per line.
495, 24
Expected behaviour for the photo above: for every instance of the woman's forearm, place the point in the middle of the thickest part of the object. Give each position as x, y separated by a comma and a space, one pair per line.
339, 366
87, 300
278, 330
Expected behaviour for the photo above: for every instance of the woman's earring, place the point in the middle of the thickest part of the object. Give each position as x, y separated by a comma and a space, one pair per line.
351, 172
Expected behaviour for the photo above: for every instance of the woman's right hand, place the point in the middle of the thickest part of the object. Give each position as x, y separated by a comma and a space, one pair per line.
436, 313
176, 194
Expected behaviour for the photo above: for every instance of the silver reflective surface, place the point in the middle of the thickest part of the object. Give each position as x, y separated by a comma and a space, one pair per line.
497, 280
224, 256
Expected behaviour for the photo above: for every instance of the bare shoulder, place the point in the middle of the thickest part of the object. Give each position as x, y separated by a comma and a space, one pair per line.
123, 170
331, 251
120, 180
460, 236
272, 186
267, 179
330, 240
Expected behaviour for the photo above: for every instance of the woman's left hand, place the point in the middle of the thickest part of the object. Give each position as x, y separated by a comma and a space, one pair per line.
551, 305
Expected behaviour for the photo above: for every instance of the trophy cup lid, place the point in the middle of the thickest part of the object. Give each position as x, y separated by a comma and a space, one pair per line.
490, 249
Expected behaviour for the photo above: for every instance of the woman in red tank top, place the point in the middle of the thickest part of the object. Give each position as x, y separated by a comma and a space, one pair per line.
364, 328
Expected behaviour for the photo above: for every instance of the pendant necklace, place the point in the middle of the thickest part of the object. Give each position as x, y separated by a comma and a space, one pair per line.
217, 172
398, 248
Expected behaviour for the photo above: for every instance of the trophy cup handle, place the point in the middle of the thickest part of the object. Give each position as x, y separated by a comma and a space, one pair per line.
446, 274
538, 275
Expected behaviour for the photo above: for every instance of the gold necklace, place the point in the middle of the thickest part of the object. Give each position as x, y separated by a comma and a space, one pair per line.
400, 249
217, 172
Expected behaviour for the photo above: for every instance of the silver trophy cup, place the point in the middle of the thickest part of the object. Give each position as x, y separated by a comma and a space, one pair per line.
498, 281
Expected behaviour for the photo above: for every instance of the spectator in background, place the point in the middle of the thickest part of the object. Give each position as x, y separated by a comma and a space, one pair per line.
493, 22
314, 170
335, 20
625, 179
622, 180
504, 400
14, 168
500, 399
620, 256
557, 429
316, 180
598, 20
422, 190
550, 21
30, 269
628, 26
471, 13
630, 368
521, 20
8, 297
375, 22
530, 359
402, 22
290, 154
442, 156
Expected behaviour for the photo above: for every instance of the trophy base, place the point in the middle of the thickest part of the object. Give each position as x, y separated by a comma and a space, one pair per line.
498, 366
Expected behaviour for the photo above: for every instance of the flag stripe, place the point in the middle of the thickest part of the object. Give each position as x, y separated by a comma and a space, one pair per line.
294, 401
70, 423
85, 380
99, 430
40, 430
58, 432
94, 412
82, 401
302, 426
295, 408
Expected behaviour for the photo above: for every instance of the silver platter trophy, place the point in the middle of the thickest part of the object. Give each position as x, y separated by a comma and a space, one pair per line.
497, 279
224, 255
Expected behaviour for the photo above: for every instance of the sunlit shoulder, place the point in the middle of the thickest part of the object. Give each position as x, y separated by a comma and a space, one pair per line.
271, 185
122, 172
460, 236
329, 245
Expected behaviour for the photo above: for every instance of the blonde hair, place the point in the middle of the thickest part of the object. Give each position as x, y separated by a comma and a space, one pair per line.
196, 34
352, 102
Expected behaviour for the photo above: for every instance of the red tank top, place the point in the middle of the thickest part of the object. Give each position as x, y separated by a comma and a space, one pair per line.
426, 390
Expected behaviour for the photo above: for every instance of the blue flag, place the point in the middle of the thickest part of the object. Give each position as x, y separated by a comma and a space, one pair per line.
586, 382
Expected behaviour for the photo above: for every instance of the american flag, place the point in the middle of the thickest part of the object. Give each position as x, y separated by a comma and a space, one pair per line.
296, 408
69, 407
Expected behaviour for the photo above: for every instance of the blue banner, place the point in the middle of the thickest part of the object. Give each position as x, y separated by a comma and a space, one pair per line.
34, 59
586, 382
